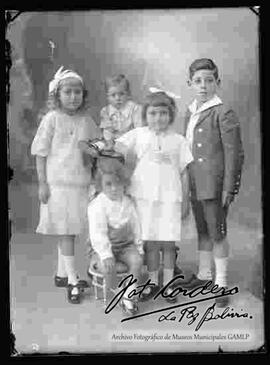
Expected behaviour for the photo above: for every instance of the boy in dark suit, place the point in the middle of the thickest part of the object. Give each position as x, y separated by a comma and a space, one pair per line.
213, 132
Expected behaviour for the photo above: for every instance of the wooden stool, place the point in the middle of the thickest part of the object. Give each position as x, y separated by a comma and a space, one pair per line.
98, 280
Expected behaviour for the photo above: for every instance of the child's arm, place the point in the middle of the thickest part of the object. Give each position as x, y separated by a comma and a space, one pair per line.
185, 158
136, 228
233, 154
43, 190
88, 131
185, 194
41, 147
98, 230
137, 116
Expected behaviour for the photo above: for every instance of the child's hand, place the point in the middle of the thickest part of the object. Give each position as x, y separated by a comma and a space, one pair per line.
109, 145
108, 264
227, 199
85, 148
44, 192
108, 134
185, 208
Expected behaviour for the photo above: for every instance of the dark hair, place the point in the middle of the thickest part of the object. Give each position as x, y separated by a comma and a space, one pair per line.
111, 166
117, 80
159, 99
203, 64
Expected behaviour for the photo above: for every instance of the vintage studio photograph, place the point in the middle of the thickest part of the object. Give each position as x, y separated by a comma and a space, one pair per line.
135, 195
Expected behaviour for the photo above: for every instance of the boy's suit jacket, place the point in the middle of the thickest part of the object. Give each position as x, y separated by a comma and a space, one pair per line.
217, 151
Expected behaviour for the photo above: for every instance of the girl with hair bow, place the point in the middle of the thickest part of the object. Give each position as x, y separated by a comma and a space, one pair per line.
63, 177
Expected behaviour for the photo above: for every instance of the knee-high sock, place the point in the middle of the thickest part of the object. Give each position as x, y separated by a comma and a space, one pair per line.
167, 275
70, 269
153, 275
205, 265
221, 264
61, 268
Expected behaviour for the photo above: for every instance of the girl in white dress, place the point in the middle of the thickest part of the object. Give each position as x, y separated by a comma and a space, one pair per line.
63, 177
156, 184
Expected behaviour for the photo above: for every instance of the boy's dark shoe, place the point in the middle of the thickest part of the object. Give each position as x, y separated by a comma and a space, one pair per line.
222, 302
150, 294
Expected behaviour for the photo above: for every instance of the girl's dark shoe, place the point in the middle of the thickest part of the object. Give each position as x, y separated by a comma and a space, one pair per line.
63, 282
74, 298
130, 310
60, 282
150, 294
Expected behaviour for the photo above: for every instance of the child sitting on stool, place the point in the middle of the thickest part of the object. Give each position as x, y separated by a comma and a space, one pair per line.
114, 228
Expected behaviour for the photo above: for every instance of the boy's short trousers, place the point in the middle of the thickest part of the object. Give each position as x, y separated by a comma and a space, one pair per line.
128, 255
210, 219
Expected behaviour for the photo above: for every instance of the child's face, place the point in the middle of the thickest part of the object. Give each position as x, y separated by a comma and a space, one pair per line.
117, 96
112, 187
158, 118
71, 94
204, 85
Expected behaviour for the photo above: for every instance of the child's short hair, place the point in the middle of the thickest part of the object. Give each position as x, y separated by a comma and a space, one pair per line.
111, 166
117, 80
159, 99
203, 64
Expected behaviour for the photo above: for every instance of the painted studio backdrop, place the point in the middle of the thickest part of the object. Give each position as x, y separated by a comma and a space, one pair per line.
152, 48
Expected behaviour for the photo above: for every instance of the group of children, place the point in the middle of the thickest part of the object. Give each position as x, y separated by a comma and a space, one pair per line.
145, 174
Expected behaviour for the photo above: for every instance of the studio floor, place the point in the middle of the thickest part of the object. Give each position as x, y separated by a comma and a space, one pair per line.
43, 321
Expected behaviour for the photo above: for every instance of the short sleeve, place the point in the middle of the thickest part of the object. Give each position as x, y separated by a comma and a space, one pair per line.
41, 144
89, 130
104, 118
185, 155
98, 229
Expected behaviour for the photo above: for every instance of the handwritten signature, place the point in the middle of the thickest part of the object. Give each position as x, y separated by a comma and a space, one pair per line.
189, 311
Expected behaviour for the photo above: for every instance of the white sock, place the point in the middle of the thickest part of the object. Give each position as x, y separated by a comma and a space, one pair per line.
221, 264
167, 275
205, 265
70, 269
61, 268
153, 275
128, 302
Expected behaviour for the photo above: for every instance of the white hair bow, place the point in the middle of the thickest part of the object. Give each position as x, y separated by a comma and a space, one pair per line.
170, 94
61, 75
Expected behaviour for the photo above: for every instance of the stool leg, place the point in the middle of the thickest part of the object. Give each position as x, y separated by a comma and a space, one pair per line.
104, 286
95, 288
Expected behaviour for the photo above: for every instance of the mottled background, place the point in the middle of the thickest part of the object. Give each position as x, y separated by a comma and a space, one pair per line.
151, 47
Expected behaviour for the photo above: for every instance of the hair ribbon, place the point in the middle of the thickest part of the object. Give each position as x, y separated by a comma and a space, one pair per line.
61, 75
170, 94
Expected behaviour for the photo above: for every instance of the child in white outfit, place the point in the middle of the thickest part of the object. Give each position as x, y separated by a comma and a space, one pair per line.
114, 227
156, 184
63, 178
